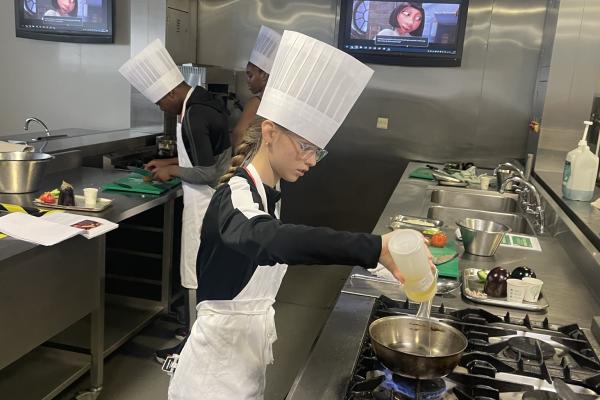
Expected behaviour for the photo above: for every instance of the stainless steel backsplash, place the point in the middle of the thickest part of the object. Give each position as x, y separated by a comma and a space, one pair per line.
478, 112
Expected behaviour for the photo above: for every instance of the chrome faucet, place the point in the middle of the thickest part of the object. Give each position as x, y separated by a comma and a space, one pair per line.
532, 206
507, 170
510, 166
39, 121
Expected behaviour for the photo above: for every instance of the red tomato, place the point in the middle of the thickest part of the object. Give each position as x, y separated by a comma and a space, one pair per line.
438, 240
47, 198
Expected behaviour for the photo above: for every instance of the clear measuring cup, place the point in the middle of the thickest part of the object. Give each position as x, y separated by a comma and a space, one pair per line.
409, 251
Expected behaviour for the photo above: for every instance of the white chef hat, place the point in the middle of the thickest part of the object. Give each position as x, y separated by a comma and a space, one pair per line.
312, 87
152, 72
265, 48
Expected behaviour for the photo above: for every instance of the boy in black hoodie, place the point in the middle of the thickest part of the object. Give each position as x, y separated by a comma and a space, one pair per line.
205, 136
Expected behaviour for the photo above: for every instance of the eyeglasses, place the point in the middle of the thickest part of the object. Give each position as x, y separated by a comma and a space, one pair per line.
307, 150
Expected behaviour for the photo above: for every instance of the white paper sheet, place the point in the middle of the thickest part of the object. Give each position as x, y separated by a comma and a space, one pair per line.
35, 230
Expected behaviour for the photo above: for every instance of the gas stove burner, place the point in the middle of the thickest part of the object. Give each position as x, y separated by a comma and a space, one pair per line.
407, 388
540, 395
527, 348
386, 385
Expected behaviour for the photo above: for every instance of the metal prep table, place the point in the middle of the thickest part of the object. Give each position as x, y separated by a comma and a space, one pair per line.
45, 290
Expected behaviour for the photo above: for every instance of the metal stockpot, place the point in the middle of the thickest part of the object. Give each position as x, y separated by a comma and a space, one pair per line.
414, 347
22, 172
166, 146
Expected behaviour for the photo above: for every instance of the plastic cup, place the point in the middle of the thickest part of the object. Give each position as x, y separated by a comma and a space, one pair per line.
485, 182
534, 288
515, 290
409, 252
90, 196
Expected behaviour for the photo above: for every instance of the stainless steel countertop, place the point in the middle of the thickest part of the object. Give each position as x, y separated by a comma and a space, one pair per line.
81, 138
327, 371
125, 205
586, 216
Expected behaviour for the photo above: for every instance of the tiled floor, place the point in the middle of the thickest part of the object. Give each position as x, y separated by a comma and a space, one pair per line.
303, 305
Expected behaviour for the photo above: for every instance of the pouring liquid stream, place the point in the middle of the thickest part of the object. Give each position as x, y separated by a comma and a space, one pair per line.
424, 312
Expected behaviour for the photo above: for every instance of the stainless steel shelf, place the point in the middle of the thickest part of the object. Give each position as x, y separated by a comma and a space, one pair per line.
137, 227
135, 253
134, 279
35, 376
122, 322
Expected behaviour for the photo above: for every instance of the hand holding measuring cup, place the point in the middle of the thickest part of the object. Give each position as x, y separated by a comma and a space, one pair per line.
406, 255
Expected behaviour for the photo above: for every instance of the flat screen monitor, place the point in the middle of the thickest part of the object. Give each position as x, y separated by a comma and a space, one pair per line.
404, 32
79, 21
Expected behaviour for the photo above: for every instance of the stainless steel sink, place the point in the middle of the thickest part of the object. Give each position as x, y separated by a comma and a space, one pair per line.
450, 215
476, 200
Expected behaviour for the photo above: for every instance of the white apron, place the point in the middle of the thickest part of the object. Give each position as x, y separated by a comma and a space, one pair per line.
195, 202
227, 353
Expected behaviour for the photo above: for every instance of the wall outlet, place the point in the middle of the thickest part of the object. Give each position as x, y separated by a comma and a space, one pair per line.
382, 123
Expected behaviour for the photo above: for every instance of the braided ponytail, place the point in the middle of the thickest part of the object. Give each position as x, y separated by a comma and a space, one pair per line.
246, 150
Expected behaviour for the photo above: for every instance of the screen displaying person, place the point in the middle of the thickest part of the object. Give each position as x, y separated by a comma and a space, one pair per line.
62, 8
407, 19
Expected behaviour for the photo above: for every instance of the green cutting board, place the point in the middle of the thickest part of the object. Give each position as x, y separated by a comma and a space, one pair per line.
449, 269
422, 173
137, 185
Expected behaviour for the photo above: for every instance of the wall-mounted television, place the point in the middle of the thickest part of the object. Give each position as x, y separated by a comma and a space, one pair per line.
412, 33
79, 21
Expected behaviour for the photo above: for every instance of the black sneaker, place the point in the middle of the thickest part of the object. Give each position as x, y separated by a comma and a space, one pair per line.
181, 333
161, 355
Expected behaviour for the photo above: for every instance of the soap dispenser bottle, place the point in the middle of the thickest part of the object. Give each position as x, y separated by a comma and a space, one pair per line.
580, 170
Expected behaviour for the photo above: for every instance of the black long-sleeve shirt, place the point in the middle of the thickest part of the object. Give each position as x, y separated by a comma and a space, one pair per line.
238, 235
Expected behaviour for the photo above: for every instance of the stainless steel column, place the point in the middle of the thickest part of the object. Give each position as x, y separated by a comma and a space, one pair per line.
97, 339
167, 253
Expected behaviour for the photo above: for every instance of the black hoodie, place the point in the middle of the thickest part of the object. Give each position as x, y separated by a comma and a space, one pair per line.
206, 138
205, 133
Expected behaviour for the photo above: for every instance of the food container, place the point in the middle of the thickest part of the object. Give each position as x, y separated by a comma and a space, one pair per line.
515, 290
22, 172
534, 288
481, 237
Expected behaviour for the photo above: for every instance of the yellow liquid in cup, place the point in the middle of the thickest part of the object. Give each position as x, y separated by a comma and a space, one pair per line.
420, 295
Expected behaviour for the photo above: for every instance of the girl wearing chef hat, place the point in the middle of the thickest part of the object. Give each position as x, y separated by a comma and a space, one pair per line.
245, 248
257, 75
203, 148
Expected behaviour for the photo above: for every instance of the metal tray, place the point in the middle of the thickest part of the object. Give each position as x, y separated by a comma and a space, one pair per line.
101, 205
470, 281
404, 221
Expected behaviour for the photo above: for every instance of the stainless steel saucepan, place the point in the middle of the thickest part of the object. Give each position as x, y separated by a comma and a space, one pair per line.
417, 347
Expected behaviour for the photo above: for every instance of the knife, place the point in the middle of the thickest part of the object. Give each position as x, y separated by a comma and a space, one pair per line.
444, 259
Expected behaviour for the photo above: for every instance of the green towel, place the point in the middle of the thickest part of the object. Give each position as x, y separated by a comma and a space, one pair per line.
449, 269
138, 185
422, 173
